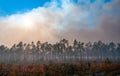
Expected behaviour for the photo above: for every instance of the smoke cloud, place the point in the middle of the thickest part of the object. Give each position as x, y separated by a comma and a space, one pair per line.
64, 19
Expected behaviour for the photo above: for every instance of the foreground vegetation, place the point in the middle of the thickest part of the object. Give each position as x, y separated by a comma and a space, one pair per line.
61, 69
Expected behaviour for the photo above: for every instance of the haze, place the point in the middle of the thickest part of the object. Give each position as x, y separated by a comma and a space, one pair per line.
52, 20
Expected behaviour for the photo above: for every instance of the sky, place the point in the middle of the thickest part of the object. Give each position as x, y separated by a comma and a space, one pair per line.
52, 20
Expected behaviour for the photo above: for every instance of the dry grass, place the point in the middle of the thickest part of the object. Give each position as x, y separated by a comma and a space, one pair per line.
60, 69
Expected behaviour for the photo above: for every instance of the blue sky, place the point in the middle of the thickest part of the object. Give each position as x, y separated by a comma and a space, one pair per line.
52, 20
8, 7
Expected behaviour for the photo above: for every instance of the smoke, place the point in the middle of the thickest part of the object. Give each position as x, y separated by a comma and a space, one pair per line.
63, 19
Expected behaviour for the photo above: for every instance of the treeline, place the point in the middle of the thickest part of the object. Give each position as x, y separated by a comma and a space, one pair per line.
61, 51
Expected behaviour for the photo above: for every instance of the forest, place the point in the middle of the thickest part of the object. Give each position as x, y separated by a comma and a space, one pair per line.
61, 51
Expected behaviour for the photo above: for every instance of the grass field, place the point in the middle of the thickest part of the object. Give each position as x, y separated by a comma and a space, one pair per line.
61, 69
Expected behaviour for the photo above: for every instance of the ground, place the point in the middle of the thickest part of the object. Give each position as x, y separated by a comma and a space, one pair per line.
61, 69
